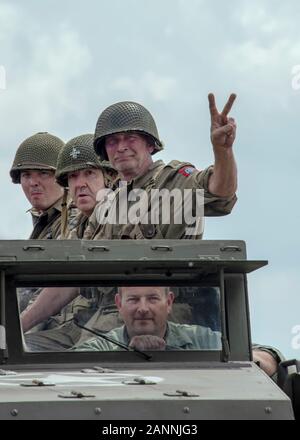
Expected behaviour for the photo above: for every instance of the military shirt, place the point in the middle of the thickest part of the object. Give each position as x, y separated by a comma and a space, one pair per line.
47, 224
77, 226
175, 175
177, 337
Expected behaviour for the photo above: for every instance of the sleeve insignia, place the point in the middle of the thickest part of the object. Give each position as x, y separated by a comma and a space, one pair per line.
187, 171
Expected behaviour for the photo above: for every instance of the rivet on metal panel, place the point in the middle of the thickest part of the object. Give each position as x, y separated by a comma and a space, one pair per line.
14, 412
191, 264
98, 411
268, 410
186, 410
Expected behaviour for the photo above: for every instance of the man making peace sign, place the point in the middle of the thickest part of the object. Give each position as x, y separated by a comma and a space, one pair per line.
127, 136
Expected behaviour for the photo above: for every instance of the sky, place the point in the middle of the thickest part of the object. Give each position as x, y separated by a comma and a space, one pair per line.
62, 63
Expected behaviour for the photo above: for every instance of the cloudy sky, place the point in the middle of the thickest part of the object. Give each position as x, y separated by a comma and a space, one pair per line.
62, 63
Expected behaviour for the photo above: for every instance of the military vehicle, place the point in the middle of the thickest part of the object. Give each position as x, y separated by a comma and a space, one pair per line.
220, 382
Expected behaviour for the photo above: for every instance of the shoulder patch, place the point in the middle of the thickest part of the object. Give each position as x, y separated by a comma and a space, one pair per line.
187, 171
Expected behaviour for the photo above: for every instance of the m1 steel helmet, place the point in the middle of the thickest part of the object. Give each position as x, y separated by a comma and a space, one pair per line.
122, 117
78, 154
38, 152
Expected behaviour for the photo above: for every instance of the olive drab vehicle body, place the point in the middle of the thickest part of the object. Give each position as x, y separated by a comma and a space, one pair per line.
218, 383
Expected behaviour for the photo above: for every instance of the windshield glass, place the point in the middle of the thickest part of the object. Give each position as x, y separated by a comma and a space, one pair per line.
139, 318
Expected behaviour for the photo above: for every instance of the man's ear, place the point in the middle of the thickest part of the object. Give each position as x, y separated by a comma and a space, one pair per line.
170, 300
150, 148
118, 300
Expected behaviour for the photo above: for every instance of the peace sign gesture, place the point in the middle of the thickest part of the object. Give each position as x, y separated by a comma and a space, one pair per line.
223, 128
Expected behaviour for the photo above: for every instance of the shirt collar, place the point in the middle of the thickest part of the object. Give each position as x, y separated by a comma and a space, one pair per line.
57, 206
141, 181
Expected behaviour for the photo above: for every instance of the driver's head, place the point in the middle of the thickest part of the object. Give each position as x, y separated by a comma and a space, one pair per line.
145, 309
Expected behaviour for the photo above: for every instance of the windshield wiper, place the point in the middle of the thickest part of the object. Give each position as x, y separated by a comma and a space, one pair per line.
126, 347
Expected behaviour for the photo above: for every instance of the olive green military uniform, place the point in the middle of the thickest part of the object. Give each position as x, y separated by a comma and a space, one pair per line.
177, 337
77, 227
176, 174
48, 224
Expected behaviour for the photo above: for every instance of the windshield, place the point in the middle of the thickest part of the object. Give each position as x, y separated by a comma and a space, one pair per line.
139, 318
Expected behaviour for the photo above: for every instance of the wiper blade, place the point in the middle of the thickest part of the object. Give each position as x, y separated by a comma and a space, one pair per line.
146, 356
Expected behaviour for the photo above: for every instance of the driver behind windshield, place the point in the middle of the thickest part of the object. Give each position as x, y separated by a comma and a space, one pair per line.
145, 311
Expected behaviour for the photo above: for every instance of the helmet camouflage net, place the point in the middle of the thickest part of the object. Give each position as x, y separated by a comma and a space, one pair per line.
38, 152
125, 116
79, 154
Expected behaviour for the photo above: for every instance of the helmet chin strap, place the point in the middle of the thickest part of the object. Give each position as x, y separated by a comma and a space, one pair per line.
64, 230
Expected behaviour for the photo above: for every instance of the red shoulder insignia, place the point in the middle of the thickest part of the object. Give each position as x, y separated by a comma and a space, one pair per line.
187, 171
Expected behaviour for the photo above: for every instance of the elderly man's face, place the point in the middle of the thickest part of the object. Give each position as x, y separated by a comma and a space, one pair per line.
84, 186
40, 188
129, 153
145, 309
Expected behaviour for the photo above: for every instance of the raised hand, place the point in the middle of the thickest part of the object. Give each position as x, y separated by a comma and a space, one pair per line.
223, 128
